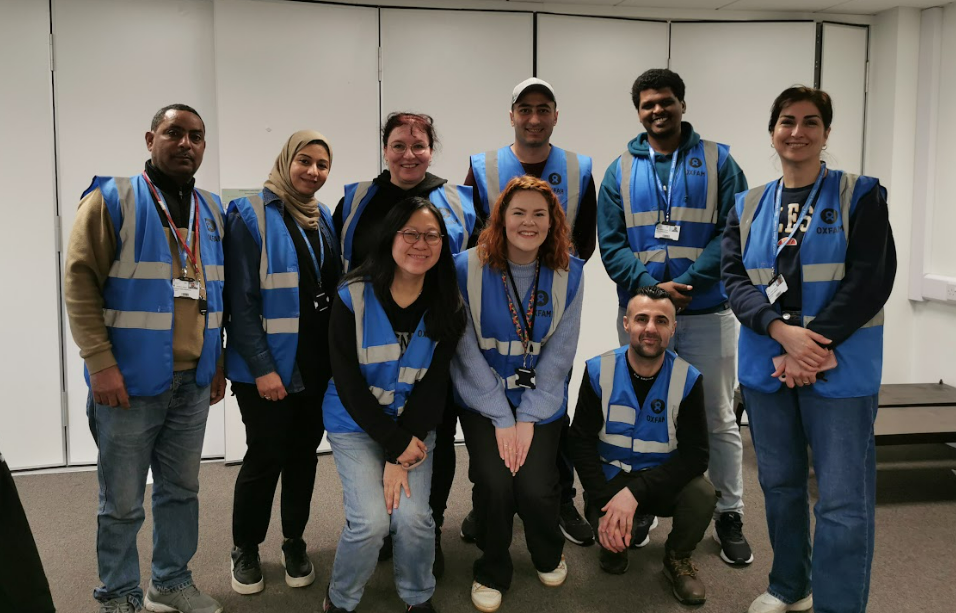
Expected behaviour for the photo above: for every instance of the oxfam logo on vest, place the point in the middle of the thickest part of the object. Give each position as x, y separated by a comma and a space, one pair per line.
554, 178
829, 217
657, 406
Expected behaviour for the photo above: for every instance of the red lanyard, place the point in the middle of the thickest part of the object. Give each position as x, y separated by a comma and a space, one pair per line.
193, 254
524, 333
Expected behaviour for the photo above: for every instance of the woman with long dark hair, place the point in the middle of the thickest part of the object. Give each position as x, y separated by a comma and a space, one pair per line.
523, 292
808, 263
283, 265
393, 332
409, 141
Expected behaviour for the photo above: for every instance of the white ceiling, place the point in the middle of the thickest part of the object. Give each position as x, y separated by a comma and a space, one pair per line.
847, 7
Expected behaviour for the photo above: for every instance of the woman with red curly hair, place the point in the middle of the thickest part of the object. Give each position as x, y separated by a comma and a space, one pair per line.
523, 293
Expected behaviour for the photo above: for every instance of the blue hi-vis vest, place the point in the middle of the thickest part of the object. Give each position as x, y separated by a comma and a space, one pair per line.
636, 437
456, 204
567, 172
694, 207
138, 295
822, 263
278, 284
484, 294
391, 375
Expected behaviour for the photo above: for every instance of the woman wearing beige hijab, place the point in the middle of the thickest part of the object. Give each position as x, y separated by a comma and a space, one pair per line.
282, 266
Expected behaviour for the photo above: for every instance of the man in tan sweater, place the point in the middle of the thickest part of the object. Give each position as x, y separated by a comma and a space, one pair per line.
144, 271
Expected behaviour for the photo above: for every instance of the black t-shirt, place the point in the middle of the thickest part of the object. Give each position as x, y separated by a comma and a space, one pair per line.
788, 264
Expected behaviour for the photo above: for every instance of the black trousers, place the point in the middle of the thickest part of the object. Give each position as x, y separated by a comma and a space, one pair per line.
691, 507
565, 467
23, 584
533, 494
282, 439
443, 466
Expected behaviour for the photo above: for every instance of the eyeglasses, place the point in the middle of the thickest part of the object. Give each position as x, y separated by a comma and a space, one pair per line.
411, 237
401, 148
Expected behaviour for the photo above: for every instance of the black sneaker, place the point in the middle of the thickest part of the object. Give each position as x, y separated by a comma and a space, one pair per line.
246, 570
438, 566
328, 607
573, 526
385, 553
469, 528
298, 568
613, 562
641, 530
729, 534
425, 607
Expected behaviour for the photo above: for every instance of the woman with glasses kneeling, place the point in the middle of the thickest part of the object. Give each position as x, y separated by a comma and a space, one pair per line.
523, 291
393, 332
808, 263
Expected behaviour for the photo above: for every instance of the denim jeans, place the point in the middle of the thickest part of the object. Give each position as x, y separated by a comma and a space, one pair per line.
361, 465
164, 432
839, 432
709, 343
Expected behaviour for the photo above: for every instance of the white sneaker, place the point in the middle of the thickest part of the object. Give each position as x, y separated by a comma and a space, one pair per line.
557, 576
768, 603
486, 599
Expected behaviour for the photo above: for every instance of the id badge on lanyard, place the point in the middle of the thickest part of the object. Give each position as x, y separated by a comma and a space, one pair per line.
320, 300
524, 374
665, 230
778, 285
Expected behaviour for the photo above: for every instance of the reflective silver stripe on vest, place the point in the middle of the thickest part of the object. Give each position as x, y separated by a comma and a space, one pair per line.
847, 185
369, 355
267, 280
454, 201
876, 321
142, 320
411, 376
760, 276
574, 186
214, 272
121, 269
361, 190
280, 280
213, 320
751, 200
559, 293
654, 255
127, 230
474, 305
822, 272
491, 172
631, 219
281, 325
687, 253
709, 213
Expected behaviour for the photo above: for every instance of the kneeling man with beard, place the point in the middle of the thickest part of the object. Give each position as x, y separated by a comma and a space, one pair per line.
639, 443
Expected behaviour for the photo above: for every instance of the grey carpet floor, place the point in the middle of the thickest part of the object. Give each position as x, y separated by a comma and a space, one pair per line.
914, 568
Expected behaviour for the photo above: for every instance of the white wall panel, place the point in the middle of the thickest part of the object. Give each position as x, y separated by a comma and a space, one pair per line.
324, 76
591, 63
733, 72
117, 63
843, 76
31, 420
459, 67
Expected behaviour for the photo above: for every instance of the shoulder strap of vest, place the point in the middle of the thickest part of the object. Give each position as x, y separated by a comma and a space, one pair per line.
847, 186
125, 228
627, 162
491, 176
713, 180
475, 274
574, 186
361, 190
215, 207
751, 200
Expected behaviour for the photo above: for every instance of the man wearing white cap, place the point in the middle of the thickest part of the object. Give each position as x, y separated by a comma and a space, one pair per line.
534, 113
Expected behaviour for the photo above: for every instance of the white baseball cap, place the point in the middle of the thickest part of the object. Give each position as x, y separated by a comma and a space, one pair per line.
527, 84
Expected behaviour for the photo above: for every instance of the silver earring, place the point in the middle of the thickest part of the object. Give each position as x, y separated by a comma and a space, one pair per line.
824, 147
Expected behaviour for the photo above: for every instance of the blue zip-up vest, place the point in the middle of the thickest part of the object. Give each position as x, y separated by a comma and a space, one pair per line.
278, 284
456, 204
636, 437
487, 304
694, 207
567, 172
138, 295
822, 263
391, 375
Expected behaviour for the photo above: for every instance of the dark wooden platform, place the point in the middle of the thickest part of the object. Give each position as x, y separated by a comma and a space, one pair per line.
909, 413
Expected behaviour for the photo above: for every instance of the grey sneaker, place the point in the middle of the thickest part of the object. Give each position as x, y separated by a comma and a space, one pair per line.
186, 600
118, 605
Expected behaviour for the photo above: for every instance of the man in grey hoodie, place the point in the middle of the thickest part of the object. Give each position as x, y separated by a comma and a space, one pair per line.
662, 208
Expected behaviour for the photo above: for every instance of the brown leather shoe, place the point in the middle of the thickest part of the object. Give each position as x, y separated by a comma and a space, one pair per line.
681, 572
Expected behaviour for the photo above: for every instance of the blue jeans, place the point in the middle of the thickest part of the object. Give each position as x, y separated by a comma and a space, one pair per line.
709, 342
361, 465
164, 432
839, 432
